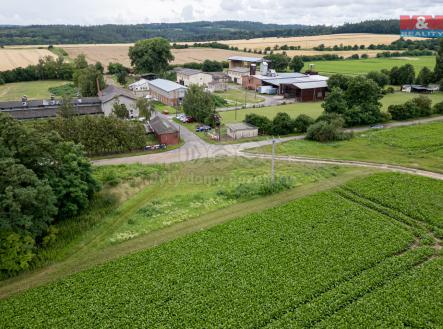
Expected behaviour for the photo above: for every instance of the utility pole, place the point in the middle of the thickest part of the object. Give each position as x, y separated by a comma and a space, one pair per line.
273, 161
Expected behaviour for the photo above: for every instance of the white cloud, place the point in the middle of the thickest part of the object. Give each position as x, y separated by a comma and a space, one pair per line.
311, 12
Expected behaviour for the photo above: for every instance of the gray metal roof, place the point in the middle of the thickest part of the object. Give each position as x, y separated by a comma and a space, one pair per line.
43, 103
311, 85
110, 92
300, 78
240, 126
188, 72
247, 59
166, 85
160, 126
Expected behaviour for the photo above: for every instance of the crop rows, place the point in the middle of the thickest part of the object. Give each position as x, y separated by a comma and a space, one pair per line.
242, 274
320, 261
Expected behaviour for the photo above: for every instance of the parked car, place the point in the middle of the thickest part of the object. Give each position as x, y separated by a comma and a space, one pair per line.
203, 128
165, 112
377, 127
155, 147
189, 120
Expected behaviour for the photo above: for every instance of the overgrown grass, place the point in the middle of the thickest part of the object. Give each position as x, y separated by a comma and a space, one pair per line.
419, 146
32, 89
239, 96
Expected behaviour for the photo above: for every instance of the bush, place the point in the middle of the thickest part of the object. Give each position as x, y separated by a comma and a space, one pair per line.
324, 131
302, 123
438, 108
414, 108
282, 124
379, 78
263, 124
219, 101
262, 187
389, 90
16, 252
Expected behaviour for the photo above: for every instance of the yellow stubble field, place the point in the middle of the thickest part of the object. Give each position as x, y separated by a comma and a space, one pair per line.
11, 58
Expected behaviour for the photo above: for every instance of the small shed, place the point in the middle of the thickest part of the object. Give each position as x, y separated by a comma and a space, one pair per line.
241, 130
165, 131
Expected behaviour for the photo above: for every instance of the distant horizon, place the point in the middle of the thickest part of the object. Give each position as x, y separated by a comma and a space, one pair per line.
286, 12
199, 21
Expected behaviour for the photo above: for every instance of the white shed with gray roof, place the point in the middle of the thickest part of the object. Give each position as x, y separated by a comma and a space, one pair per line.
241, 130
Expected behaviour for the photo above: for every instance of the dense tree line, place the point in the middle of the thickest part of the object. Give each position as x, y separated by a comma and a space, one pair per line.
195, 31
44, 180
98, 134
86, 77
400, 44
47, 68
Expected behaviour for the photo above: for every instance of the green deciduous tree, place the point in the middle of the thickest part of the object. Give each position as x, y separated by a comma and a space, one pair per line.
212, 66
279, 62
88, 80
80, 62
199, 104
151, 55
338, 81
335, 102
425, 76
66, 109
145, 108
296, 64
438, 70
120, 110
380, 78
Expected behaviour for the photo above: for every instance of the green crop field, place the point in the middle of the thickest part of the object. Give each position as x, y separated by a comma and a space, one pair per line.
343, 258
363, 66
315, 109
141, 206
419, 146
32, 89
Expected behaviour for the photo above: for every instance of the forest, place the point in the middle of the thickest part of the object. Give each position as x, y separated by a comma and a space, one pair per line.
195, 31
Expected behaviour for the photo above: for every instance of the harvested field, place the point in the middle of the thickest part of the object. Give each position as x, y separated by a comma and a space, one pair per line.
107, 53
312, 41
345, 53
11, 58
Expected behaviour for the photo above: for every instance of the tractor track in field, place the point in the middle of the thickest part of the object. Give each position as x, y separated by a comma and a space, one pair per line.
386, 212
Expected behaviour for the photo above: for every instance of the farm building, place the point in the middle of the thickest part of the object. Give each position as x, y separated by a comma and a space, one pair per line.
165, 132
167, 92
302, 87
112, 94
236, 74
187, 77
214, 81
420, 88
140, 87
246, 62
241, 130
39, 109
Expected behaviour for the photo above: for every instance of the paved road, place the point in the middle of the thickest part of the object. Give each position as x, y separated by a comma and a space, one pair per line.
195, 148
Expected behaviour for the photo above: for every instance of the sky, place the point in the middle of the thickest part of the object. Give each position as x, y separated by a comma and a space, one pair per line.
311, 12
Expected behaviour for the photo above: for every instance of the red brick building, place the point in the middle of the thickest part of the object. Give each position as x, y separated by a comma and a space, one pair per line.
165, 132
